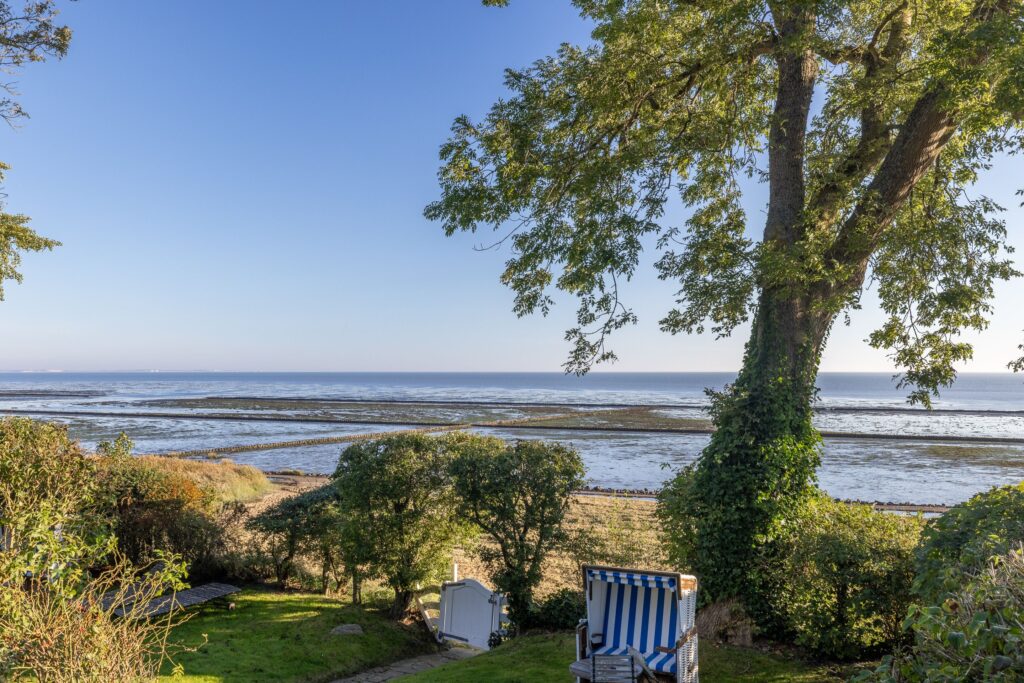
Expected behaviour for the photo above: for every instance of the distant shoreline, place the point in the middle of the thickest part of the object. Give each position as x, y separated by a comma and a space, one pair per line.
223, 417
291, 477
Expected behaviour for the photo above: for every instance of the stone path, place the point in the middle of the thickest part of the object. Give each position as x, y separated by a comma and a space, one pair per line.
409, 666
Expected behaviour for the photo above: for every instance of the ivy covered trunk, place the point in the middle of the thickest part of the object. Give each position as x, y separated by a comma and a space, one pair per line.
761, 460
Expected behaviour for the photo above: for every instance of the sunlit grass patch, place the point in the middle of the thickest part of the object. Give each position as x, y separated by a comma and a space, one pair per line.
275, 636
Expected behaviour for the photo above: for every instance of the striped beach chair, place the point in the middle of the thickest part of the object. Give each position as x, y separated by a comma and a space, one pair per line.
647, 614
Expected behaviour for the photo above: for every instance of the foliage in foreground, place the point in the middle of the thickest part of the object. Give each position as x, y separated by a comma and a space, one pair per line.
960, 543
53, 624
518, 494
837, 578
975, 634
846, 578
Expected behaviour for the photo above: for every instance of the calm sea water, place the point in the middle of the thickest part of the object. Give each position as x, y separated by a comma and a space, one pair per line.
983, 405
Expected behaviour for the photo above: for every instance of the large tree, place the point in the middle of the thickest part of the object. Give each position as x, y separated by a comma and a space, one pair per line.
869, 120
29, 32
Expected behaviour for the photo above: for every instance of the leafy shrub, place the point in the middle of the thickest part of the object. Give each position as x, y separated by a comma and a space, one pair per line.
48, 506
53, 626
961, 542
847, 577
518, 494
677, 520
157, 509
397, 494
976, 634
560, 611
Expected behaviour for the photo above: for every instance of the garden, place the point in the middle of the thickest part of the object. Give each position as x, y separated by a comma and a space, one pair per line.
843, 592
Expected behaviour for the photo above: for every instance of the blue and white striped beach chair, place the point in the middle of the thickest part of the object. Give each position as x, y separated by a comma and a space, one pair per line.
646, 613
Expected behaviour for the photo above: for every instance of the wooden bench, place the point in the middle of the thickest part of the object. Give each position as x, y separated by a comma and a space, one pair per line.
181, 600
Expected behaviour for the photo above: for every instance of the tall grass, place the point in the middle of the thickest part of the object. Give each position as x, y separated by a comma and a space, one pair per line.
226, 481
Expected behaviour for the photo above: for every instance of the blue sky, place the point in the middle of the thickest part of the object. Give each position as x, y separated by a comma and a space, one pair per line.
240, 185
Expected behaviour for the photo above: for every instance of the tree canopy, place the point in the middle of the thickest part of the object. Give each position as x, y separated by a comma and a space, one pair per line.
869, 120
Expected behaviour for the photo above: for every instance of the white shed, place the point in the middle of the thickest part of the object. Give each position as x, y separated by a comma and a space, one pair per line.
470, 613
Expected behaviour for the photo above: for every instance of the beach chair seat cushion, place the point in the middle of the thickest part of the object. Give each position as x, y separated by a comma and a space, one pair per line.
662, 662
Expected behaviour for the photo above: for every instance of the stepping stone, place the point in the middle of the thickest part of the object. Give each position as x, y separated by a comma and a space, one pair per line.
347, 630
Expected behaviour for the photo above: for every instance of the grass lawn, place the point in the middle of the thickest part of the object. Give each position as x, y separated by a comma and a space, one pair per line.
542, 658
275, 636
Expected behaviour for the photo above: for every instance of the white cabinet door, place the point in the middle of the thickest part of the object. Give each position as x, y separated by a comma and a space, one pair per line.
470, 612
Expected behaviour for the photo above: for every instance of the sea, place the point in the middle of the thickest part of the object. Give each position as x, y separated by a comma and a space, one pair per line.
885, 450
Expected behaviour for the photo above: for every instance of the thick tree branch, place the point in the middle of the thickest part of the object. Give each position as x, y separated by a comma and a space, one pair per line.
929, 127
787, 137
874, 139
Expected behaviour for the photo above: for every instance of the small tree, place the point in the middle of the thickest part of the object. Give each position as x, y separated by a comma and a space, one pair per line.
313, 525
397, 493
519, 494
282, 529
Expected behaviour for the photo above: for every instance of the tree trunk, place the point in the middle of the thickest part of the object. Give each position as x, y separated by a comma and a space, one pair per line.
761, 460
399, 608
357, 587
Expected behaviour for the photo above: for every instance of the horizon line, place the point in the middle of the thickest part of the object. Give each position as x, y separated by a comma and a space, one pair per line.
452, 372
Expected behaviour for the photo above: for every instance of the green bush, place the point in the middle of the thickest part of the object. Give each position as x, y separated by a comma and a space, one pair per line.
961, 542
518, 494
47, 483
976, 634
60, 575
157, 510
560, 611
846, 577
397, 494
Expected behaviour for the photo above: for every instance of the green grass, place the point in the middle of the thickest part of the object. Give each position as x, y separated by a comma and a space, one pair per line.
274, 636
542, 658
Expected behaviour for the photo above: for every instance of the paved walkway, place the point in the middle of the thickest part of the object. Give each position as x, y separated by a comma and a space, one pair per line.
409, 666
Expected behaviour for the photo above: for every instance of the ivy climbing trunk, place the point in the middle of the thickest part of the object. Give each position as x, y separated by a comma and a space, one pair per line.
762, 457
761, 460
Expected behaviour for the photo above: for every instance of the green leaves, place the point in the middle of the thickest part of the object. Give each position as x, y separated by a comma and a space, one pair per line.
962, 541
975, 635
587, 162
27, 34
847, 571
396, 496
518, 494
16, 237
575, 170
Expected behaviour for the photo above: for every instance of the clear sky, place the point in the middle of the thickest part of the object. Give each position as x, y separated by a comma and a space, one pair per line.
240, 185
